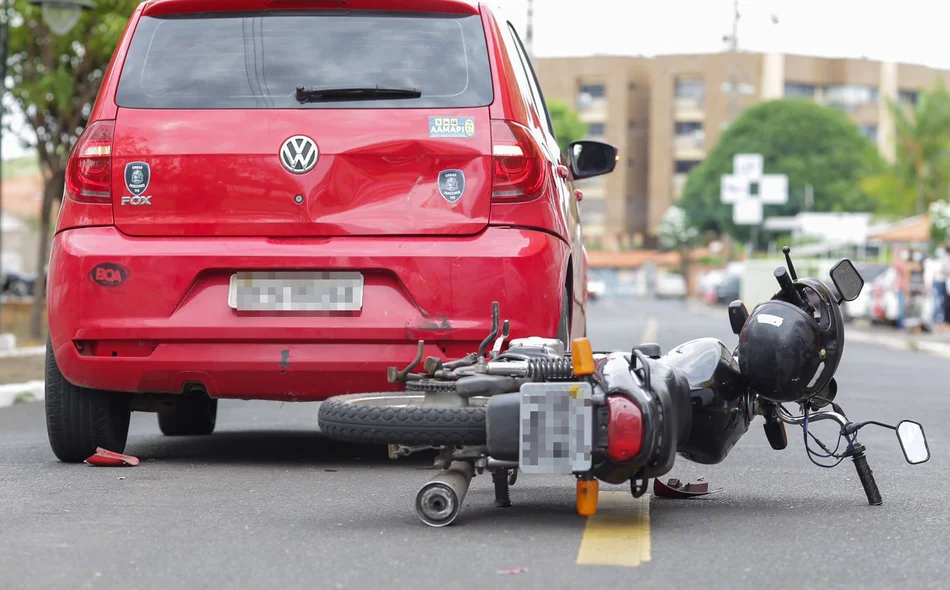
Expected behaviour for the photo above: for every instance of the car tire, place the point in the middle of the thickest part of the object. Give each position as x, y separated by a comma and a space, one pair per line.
393, 418
191, 416
80, 420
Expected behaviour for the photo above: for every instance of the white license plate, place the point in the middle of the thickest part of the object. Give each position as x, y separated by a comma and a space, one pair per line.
557, 421
296, 291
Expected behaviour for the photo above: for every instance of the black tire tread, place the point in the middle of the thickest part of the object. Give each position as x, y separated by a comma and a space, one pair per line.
410, 425
78, 420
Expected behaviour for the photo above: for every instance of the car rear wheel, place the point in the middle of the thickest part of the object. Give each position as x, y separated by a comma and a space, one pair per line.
191, 416
79, 420
394, 418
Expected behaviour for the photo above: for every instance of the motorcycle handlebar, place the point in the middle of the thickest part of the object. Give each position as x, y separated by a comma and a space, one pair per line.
867, 479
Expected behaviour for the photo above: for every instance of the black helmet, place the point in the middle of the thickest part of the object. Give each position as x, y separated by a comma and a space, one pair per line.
787, 354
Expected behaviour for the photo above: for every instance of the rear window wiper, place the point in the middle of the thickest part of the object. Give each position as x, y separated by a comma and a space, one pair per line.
354, 93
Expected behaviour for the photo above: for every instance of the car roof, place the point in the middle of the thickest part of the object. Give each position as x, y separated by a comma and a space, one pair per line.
158, 7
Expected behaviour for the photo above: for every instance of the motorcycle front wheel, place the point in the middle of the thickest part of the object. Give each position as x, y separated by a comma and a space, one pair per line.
402, 418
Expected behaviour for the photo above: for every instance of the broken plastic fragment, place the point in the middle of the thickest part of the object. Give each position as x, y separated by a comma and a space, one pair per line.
676, 489
105, 458
512, 571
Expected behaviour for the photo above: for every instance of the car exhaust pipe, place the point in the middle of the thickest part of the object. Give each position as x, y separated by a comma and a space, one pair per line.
439, 501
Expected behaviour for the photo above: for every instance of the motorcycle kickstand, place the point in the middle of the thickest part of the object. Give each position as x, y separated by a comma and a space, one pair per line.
502, 480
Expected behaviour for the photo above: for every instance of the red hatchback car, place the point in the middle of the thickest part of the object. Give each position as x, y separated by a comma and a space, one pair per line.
276, 199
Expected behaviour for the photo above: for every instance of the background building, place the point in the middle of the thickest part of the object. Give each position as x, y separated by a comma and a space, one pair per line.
665, 112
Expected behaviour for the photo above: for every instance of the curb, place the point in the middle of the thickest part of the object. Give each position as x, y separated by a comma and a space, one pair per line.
23, 352
31, 391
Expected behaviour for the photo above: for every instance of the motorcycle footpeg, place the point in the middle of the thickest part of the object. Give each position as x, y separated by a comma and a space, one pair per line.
777, 435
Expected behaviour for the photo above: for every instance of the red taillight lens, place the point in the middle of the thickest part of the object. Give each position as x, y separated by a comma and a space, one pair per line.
89, 170
517, 164
624, 429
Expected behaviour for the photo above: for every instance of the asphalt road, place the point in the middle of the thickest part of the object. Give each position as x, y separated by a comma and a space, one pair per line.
266, 503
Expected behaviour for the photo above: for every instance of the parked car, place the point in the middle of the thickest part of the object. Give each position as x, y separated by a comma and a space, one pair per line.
708, 285
670, 286
729, 289
862, 307
596, 289
278, 201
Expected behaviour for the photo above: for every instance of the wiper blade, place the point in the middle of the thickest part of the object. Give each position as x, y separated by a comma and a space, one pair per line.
355, 93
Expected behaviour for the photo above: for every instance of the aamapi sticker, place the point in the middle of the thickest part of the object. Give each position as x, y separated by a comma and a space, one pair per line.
463, 127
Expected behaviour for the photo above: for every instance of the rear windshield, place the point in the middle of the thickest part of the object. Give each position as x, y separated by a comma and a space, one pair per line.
256, 61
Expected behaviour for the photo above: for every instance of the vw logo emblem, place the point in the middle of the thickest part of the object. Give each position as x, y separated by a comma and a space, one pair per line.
299, 154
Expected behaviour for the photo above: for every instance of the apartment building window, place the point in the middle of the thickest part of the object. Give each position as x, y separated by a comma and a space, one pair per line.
691, 90
849, 97
907, 97
684, 166
593, 90
870, 131
795, 90
595, 130
688, 127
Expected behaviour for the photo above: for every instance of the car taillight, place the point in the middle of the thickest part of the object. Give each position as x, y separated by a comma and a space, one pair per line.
517, 164
624, 429
89, 169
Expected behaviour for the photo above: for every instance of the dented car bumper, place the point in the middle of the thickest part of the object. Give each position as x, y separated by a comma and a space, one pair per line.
151, 315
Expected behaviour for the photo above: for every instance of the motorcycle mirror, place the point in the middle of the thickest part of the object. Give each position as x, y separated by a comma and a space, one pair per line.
847, 280
738, 314
913, 442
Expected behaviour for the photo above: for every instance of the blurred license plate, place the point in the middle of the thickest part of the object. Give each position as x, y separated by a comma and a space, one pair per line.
296, 291
556, 428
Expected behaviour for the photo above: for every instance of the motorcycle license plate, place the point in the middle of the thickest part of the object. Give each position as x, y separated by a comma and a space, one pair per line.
296, 291
556, 432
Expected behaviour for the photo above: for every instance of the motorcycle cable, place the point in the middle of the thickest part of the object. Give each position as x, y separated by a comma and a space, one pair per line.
812, 454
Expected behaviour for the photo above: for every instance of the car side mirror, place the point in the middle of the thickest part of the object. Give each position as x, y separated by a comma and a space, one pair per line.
847, 280
592, 158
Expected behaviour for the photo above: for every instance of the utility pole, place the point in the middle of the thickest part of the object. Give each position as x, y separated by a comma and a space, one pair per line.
529, 29
734, 64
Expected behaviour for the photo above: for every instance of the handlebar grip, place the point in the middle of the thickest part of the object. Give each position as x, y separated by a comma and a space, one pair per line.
867, 480
788, 288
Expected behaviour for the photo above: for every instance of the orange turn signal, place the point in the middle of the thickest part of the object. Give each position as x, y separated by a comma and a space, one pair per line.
587, 490
582, 357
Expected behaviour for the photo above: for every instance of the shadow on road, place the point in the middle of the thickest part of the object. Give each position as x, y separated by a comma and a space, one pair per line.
264, 448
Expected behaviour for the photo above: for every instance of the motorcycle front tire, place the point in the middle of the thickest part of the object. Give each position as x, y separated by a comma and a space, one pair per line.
397, 418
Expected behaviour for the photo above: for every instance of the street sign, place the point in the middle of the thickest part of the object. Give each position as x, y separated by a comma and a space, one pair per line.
734, 189
774, 189
748, 188
750, 166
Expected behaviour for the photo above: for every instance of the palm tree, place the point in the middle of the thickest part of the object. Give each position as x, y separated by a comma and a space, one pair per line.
923, 148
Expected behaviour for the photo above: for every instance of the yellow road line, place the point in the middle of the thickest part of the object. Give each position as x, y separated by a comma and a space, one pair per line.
619, 534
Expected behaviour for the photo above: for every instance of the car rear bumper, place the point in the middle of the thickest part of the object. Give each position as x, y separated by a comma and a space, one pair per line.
169, 324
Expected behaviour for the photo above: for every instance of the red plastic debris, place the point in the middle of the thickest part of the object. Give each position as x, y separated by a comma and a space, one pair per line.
512, 571
105, 458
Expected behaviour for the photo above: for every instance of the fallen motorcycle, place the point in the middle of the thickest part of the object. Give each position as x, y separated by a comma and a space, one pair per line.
529, 405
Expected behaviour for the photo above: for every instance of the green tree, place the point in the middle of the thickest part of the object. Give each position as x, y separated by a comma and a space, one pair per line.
567, 125
920, 174
811, 144
55, 81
